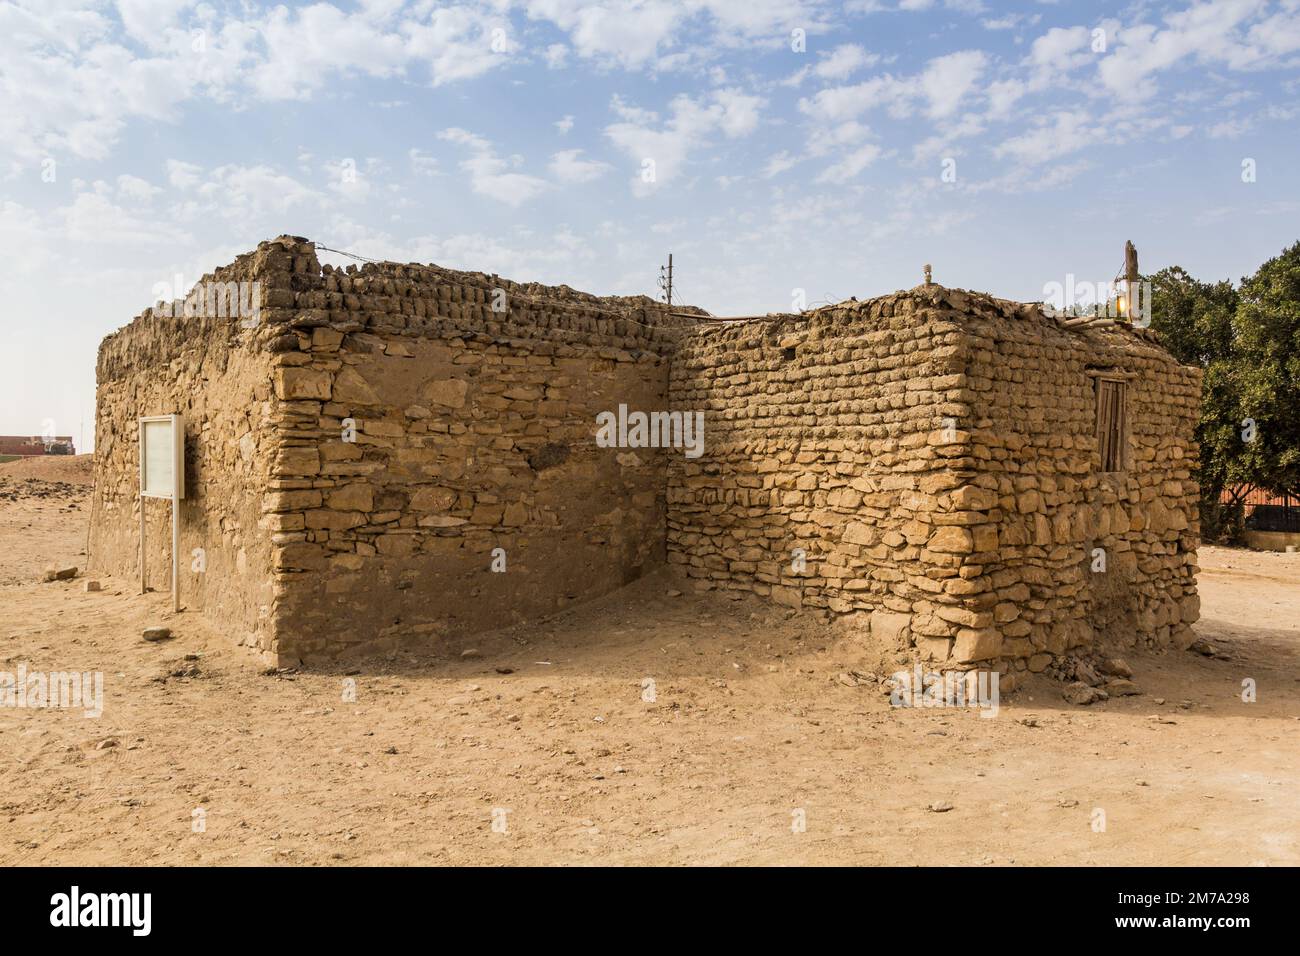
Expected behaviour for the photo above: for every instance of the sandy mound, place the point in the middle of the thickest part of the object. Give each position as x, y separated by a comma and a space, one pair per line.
74, 469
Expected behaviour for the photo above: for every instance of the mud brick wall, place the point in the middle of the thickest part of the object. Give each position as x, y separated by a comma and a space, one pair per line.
823, 433
474, 402
216, 374
1036, 438
360, 459
934, 454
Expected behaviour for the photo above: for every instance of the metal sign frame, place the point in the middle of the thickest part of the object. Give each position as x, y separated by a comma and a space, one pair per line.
175, 493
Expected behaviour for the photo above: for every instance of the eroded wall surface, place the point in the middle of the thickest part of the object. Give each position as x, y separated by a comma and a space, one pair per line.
933, 458
1084, 555
433, 427
832, 437
212, 371
404, 455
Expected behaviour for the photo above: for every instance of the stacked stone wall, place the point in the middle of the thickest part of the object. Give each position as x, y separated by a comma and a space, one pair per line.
403, 455
213, 372
1084, 556
414, 430
832, 437
933, 456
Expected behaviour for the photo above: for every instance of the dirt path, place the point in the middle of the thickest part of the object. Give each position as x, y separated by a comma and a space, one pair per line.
749, 724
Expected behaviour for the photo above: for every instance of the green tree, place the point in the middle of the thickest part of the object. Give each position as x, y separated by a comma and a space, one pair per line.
1247, 341
1194, 318
1267, 341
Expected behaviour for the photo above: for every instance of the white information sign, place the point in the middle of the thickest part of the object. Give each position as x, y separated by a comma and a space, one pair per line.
162, 475
162, 457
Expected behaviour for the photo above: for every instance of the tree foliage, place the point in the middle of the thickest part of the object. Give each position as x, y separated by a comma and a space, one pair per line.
1247, 341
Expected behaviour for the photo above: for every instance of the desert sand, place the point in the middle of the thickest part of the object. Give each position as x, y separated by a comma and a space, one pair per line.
757, 721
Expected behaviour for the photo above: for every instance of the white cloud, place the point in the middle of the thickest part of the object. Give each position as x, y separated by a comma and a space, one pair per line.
853, 163
779, 164
146, 20
829, 140
692, 123
1029, 179
463, 137
943, 143
948, 79
183, 175
1004, 94
346, 180
629, 33
70, 85
1207, 33
135, 189
1062, 49
567, 167
739, 111
844, 61
92, 217
1280, 33
761, 19
1057, 135
1229, 129
556, 55
1007, 21
460, 43
25, 243
489, 174
670, 34
944, 83
305, 47
422, 163
836, 103
250, 192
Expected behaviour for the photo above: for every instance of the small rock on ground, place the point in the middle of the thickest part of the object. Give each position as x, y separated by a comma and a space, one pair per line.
1082, 695
1122, 688
1116, 667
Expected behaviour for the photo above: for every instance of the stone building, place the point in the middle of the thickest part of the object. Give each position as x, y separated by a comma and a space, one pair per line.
403, 454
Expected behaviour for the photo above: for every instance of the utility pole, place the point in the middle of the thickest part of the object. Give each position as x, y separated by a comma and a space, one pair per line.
666, 279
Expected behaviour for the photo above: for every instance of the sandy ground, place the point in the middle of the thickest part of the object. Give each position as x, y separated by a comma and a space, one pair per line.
750, 723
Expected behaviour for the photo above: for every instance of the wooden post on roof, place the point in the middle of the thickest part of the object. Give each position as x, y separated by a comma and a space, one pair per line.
1130, 279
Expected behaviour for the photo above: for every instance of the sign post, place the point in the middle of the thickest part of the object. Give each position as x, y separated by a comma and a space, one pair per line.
162, 475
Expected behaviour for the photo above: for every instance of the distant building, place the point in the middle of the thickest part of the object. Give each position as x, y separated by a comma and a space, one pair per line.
36, 445
1265, 510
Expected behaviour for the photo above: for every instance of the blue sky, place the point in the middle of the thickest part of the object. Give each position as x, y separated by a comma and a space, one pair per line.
796, 144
